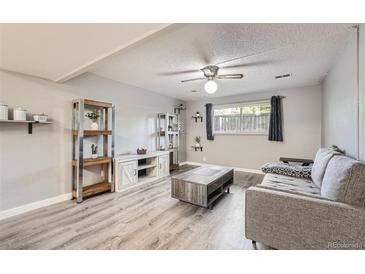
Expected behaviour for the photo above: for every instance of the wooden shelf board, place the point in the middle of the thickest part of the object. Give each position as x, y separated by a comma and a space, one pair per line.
163, 133
97, 104
94, 132
28, 122
141, 167
91, 161
94, 189
24, 122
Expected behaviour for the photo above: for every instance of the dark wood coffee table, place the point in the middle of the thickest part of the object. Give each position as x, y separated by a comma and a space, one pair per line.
202, 186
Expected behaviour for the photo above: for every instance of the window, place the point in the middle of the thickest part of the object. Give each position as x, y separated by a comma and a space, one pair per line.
242, 118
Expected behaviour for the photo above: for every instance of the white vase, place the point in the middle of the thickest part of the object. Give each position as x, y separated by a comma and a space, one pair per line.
94, 126
197, 145
94, 156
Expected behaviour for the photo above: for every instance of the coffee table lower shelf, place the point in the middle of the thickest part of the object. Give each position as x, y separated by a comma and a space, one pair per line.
213, 198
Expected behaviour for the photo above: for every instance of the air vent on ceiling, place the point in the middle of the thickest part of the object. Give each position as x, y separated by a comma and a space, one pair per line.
194, 90
283, 76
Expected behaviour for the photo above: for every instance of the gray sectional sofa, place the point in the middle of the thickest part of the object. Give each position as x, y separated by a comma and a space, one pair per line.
324, 212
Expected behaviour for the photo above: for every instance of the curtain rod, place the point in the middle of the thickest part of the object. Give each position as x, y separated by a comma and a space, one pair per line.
249, 101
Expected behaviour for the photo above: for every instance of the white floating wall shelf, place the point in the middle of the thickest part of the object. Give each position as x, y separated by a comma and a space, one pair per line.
30, 123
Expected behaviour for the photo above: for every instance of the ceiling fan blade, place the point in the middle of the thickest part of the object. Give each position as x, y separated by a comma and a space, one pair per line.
251, 64
202, 53
195, 79
230, 76
178, 72
249, 55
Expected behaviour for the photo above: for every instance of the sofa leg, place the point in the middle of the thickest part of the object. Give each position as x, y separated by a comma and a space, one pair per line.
253, 242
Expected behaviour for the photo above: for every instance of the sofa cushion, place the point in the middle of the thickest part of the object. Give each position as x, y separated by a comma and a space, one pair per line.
321, 161
344, 181
297, 171
290, 184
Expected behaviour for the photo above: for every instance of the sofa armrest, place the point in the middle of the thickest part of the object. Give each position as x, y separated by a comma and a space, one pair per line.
289, 221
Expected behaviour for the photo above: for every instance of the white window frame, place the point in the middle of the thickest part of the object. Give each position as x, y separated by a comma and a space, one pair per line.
240, 105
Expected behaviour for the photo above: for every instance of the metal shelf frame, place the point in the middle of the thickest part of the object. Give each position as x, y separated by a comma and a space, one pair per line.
78, 136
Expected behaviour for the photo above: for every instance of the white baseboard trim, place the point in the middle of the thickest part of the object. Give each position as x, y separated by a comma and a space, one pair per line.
32, 206
235, 168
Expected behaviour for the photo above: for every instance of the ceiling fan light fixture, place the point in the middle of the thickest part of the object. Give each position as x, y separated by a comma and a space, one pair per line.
210, 86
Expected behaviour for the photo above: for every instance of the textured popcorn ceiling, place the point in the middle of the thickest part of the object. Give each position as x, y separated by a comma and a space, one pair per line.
307, 51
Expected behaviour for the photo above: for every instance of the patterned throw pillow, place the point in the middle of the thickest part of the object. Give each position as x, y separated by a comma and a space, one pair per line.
281, 168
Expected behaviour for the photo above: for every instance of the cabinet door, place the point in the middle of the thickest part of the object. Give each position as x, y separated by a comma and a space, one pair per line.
128, 173
164, 162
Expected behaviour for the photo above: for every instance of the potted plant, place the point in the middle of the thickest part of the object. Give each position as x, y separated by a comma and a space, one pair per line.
197, 141
93, 116
94, 151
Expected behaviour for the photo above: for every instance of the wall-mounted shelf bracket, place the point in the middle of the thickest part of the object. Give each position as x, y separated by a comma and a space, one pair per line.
198, 148
30, 124
197, 117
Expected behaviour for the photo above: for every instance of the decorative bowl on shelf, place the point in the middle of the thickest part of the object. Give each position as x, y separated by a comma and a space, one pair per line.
141, 150
41, 118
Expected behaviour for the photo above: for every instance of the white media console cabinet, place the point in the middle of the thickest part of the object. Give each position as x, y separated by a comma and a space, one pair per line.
135, 169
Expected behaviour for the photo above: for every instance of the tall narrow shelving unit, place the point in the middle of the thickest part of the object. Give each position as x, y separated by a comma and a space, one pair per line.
168, 136
106, 132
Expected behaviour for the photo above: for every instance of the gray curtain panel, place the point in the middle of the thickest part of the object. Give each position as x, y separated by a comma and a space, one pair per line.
209, 121
276, 120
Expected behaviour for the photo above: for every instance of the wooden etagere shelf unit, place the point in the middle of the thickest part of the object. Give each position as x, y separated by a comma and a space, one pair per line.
79, 133
168, 136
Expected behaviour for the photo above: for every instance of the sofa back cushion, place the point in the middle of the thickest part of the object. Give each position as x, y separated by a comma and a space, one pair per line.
344, 181
321, 161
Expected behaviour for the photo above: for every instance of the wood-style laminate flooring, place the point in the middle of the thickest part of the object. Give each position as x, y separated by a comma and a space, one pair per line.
141, 218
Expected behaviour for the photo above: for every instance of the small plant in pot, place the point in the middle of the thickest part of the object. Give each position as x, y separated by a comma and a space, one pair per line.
93, 116
197, 141
94, 151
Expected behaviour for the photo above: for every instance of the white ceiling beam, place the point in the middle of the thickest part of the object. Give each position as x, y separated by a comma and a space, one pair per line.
84, 68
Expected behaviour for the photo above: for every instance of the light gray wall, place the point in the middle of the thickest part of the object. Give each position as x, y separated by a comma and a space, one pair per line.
302, 131
339, 100
342, 102
36, 167
362, 92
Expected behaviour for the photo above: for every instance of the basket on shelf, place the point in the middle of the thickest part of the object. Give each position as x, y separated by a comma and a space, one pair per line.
141, 150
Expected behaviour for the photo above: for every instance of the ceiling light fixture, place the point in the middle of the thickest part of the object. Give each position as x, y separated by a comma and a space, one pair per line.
210, 86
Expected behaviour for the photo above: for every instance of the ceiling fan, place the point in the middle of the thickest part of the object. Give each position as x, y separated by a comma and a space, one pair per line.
210, 73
